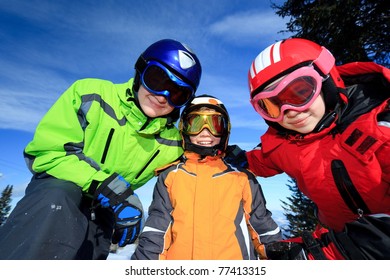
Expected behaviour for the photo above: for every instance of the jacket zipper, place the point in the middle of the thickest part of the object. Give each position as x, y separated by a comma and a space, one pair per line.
147, 164
347, 190
108, 142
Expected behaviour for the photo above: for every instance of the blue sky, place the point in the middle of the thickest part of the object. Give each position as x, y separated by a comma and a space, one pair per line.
46, 45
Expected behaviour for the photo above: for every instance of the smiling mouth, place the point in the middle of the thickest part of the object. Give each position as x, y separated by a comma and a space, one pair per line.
205, 143
299, 122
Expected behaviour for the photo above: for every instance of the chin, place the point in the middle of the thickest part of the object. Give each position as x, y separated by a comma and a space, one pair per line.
305, 130
150, 112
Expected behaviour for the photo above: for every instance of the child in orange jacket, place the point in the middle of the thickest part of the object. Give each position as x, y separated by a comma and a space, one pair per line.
203, 208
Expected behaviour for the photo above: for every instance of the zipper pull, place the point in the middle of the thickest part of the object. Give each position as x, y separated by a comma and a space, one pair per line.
93, 215
360, 212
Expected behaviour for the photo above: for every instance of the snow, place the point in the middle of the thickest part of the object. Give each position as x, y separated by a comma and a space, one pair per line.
124, 253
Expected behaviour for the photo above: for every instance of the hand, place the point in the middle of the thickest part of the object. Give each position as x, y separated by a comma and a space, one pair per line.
129, 221
115, 192
236, 157
285, 250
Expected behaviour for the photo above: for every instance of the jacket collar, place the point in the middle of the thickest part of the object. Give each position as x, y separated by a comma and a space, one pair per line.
194, 156
273, 139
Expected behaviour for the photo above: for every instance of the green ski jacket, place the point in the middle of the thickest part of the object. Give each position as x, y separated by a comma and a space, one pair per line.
95, 129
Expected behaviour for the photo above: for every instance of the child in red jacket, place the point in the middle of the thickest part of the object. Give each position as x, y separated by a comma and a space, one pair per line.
329, 128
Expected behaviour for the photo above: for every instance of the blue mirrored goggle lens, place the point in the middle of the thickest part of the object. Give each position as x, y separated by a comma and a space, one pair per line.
160, 81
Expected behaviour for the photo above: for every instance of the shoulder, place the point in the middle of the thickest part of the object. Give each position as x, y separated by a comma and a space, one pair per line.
244, 173
249, 175
93, 84
358, 72
167, 168
92, 81
92, 89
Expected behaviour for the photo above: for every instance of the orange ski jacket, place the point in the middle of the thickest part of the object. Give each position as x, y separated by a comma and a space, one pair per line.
205, 209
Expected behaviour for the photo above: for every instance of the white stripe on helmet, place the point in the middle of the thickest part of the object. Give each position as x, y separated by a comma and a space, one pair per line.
205, 100
264, 59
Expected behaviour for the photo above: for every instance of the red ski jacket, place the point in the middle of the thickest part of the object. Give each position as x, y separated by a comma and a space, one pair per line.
358, 155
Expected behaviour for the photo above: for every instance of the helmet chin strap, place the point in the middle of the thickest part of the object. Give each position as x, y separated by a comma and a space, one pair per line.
202, 150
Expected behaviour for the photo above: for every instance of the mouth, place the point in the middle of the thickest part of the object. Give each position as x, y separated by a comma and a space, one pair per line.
299, 122
205, 143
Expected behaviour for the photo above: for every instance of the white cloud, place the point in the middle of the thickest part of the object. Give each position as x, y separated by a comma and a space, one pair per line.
26, 93
249, 26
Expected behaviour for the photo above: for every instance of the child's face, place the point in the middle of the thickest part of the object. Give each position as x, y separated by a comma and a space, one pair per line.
153, 105
205, 138
305, 121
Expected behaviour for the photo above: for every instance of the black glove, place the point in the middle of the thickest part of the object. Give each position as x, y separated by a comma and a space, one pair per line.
236, 157
115, 192
283, 250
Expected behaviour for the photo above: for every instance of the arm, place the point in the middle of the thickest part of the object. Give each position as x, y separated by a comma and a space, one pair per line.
253, 160
58, 150
58, 145
259, 164
261, 225
382, 153
155, 238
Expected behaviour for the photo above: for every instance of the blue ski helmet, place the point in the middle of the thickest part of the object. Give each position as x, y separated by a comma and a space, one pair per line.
177, 57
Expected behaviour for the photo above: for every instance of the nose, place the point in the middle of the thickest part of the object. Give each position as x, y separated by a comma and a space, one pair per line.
291, 113
205, 132
161, 99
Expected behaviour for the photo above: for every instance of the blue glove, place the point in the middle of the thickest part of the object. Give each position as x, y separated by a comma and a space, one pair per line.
236, 157
115, 192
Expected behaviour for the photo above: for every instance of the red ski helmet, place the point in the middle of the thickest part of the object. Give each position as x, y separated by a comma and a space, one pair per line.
285, 56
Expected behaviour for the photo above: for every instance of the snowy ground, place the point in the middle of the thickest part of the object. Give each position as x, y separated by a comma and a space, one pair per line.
123, 253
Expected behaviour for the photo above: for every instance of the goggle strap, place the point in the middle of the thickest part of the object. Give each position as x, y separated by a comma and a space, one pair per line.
202, 113
325, 61
141, 64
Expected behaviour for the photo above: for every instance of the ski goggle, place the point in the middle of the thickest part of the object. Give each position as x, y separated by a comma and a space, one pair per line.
158, 80
297, 90
196, 121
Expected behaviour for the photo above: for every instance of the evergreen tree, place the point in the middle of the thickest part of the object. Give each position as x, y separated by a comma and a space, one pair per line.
5, 203
353, 30
299, 212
